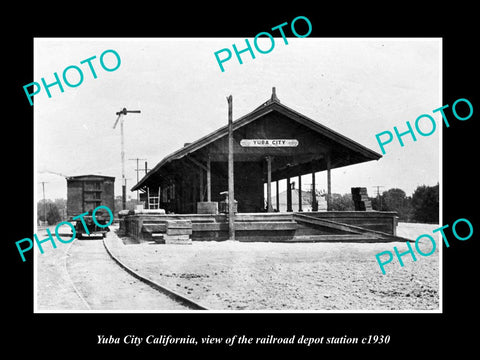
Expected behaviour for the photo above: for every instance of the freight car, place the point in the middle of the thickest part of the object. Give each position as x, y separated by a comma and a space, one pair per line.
84, 194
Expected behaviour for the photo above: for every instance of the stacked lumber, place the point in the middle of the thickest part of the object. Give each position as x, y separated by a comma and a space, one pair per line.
178, 232
360, 199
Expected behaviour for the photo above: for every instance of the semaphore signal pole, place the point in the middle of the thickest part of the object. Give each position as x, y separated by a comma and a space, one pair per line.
124, 111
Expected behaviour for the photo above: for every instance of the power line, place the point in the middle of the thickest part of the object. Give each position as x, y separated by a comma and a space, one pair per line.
138, 170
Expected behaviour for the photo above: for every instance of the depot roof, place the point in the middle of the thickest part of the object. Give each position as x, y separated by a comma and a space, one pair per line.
361, 152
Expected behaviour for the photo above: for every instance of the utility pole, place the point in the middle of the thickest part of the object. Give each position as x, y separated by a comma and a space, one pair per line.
378, 196
231, 192
137, 170
44, 201
124, 111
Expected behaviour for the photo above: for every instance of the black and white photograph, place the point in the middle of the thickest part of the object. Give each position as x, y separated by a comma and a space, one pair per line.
161, 134
234, 180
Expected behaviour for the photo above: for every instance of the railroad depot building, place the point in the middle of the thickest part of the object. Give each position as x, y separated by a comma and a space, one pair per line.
271, 143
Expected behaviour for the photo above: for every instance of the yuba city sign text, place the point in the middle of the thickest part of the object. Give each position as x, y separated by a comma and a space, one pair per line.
269, 142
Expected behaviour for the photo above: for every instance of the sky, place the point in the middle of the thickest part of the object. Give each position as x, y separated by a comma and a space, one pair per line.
357, 87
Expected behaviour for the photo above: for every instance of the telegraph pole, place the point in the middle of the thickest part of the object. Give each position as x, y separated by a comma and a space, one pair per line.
378, 196
231, 192
44, 202
124, 111
137, 170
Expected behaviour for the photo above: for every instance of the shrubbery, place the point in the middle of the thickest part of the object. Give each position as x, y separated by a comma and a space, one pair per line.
422, 206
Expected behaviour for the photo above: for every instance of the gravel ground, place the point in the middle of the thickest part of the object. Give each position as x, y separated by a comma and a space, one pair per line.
106, 286
54, 288
81, 276
299, 276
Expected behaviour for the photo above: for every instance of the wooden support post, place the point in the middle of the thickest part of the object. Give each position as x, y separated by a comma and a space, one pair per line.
329, 184
182, 199
159, 197
269, 184
124, 180
148, 198
300, 193
201, 184
277, 190
194, 194
209, 181
231, 192
289, 195
314, 196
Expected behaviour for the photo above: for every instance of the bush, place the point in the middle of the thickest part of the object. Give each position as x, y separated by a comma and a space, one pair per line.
53, 215
425, 203
342, 202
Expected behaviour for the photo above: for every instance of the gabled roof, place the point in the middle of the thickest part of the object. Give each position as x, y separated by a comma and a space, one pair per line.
269, 106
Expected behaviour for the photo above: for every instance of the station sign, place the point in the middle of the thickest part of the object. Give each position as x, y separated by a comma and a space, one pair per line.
269, 142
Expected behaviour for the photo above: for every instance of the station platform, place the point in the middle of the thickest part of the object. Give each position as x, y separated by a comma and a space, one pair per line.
356, 226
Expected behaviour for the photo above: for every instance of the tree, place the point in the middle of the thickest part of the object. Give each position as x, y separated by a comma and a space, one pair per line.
53, 215
425, 203
61, 205
394, 200
342, 202
58, 208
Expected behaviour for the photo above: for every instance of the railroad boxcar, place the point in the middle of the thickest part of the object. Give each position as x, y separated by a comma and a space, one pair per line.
84, 194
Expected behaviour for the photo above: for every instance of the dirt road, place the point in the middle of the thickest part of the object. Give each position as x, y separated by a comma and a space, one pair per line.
82, 276
291, 276
238, 276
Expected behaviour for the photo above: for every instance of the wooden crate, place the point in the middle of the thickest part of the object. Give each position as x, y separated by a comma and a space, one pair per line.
206, 207
178, 232
177, 239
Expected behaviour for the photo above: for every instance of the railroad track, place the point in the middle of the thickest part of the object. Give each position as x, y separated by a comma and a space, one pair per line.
103, 282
